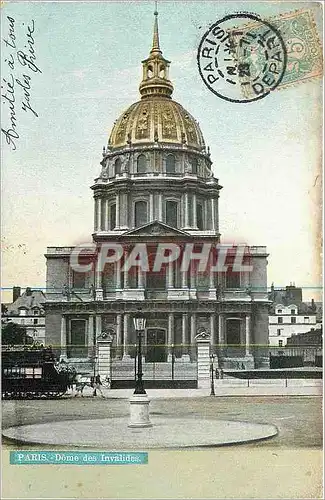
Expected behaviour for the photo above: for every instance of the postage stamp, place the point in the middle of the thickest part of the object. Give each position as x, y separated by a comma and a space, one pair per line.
303, 48
246, 61
242, 65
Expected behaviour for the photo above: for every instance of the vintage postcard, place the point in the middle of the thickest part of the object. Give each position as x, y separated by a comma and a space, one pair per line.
161, 248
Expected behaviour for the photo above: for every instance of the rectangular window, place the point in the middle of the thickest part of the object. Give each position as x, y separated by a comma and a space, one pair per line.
232, 279
199, 216
293, 320
172, 213
280, 343
35, 321
279, 331
112, 216
141, 213
280, 320
78, 280
306, 319
293, 311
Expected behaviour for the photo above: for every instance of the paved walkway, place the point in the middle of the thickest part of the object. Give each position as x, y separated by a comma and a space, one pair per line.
165, 433
228, 387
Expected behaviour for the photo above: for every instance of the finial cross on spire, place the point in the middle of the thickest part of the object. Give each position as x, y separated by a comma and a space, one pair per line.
155, 41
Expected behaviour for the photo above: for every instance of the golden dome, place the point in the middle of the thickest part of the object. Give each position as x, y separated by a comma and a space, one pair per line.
159, 120
156, 118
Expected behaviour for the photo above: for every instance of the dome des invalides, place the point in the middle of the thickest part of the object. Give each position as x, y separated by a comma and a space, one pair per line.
156, 117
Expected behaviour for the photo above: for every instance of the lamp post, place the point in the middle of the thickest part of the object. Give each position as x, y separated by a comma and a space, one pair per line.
212, 393
139, 326
139, 402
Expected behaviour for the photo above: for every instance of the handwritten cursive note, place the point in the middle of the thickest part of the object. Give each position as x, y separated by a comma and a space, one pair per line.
16, 86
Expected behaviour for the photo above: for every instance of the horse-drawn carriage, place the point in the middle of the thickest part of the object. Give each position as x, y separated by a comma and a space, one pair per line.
33, 372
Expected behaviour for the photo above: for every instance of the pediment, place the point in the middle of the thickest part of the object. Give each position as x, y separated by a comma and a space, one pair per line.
156, 228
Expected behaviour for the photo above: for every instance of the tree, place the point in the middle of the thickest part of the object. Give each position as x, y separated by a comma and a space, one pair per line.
13, 334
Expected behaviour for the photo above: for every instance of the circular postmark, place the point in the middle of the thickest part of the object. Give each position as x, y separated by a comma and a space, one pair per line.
242, 63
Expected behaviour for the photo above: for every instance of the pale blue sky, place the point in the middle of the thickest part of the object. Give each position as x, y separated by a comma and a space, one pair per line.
266, 154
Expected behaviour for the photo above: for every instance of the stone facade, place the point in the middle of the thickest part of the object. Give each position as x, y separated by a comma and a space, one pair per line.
156, 186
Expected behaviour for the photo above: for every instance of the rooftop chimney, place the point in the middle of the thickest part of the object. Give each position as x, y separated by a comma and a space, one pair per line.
16, 292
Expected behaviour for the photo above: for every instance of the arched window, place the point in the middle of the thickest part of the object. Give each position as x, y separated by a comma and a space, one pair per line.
172, 213
170, 164
141, 164
118, 164
194, 166
112, 216
150, 72
140, 213
199, 216
162, 71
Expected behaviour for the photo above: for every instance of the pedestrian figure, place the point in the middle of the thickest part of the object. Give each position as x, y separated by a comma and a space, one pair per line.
79, 387
98, 386
107, 382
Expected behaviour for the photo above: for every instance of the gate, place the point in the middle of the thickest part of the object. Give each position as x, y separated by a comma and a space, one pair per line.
160, 370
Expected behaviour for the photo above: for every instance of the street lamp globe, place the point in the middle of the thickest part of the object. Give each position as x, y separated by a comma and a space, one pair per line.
139, 322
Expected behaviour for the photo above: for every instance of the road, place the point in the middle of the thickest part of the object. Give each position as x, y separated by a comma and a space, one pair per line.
298, 419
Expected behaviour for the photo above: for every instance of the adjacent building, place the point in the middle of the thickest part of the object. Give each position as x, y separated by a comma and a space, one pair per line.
290, 316
27, 310
156, 185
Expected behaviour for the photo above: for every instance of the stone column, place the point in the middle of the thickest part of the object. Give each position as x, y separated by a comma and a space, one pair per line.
222, 339
105, 214
126, 339
192, 349
213, 333
247, 334
102, 214
212, 286
98, 284
126, 273
98, 325
216, 215
104, 364
213, 222
118, 274
193, 290
194, 212
151, 207
91, 352
117, 201
185, 348
63, 337
160, 208
186, 210
170, 275
170, 340
119, 336
203, 360
95, 214
140, 278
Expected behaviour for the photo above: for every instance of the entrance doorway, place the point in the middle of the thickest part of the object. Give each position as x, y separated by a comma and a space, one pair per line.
77, 347
234, 348
156, 351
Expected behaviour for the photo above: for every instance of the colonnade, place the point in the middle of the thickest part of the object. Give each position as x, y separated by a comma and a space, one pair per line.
155, 201
190, 323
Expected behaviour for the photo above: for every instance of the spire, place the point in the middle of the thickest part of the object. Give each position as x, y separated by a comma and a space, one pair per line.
155, 79
155, 40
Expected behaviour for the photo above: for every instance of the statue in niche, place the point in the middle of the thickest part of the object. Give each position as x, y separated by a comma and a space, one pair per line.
125, 164
187, 165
